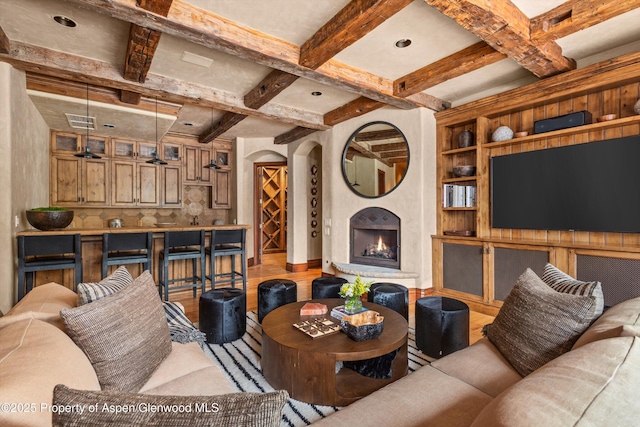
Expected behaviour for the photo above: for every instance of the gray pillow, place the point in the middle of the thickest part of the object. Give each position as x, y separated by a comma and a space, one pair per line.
227, 410
89, 292
125, 335
537, 324
562, 282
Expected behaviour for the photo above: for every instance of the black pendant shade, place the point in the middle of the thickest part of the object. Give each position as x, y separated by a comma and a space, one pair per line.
212, 165
156, 160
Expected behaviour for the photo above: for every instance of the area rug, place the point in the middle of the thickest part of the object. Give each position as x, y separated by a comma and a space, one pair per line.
240, 361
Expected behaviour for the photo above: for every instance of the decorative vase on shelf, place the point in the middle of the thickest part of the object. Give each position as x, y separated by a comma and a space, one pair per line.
353, 305
636, 107
465, 139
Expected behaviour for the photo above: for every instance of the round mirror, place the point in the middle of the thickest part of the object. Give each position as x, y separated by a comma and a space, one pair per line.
375, 159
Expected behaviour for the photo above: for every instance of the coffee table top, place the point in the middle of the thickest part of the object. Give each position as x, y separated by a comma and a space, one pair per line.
278, 325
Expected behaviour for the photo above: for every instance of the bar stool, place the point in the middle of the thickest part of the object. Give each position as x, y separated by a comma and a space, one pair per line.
327, 287
180, 245
275, 293
391, 295
223, 315
126, 248
228, 243
43, 253
442, 325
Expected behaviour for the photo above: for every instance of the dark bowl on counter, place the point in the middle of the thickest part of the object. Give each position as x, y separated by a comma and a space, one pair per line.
46, 219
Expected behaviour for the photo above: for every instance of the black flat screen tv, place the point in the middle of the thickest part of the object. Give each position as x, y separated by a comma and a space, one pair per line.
592, 186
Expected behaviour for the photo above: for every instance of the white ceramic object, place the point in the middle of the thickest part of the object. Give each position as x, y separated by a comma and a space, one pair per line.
503, 133
636, 107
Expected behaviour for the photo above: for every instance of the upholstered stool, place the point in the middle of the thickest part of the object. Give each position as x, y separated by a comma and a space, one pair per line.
223, 314
442, 325
391, 295
326, 287
274, 293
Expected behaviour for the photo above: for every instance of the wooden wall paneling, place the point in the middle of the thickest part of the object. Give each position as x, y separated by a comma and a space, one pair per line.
553, 110
526, 124
611, 105
594, 102
566, 107
483, 220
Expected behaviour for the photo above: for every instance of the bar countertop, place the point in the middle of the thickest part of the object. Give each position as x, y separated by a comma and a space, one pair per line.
139, 229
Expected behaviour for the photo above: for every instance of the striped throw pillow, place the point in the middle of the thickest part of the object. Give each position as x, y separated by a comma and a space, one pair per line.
89, 292
561, 282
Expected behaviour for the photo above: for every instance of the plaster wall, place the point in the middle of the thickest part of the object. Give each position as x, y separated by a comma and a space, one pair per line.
24, 171
413, 201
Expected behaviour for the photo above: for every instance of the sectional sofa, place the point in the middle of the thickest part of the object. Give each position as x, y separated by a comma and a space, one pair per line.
595, 381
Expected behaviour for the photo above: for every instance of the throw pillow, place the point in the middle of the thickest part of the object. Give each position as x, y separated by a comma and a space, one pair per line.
88, 292
227, 410
537, 324
562, 282
125, 335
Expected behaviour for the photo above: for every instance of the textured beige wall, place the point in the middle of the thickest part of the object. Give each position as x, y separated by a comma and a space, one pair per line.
24, 170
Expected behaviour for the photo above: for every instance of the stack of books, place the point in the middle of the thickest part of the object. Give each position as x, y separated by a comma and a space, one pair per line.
459, 196
339, 312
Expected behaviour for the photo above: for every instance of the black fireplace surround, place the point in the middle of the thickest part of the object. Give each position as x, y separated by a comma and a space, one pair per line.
375, 238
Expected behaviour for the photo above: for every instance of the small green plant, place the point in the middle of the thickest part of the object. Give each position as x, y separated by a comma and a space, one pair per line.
355, 289
49, 209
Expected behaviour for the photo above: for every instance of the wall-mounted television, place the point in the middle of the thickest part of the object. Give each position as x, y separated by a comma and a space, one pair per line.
591, 186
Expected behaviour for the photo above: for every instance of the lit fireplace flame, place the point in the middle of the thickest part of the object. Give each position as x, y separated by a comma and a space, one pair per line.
381, 245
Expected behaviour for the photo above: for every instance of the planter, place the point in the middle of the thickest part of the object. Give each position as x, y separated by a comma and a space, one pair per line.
49, 218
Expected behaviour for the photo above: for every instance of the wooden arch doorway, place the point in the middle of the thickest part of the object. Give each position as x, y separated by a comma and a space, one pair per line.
270, 208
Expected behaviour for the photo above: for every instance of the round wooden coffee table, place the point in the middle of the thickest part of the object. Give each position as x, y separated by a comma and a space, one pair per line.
306, 367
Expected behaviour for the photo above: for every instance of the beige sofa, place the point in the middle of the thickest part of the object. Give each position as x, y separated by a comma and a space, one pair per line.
36, 354
597, 383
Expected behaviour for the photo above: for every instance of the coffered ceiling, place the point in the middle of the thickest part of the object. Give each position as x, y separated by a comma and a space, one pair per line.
286, 68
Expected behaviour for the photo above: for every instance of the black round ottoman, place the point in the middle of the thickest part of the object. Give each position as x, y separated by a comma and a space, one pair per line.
327, 287
442, 325
223, 314
274, 293
391, 295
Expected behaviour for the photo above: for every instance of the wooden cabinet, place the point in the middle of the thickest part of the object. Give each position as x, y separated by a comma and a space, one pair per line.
478, 263
195, 158
171, 153
135, 183
171, 185
77, 181
221, 192
68, 144
133, 150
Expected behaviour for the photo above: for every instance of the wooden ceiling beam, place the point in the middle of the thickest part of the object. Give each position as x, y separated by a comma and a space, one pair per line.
141, 47
361, 149
72, 67
199, 26
129, 97
575, 15
227, 121
275, 82
354, 21
377, 135
506, 28
462, 62
293, 135
160, 7
5, 44
355, 108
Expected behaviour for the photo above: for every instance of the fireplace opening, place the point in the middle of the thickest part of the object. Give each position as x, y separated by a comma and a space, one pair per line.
375, 238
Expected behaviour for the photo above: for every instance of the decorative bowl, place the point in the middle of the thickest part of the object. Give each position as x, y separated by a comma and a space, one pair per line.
521, 134
363, 326
464, 170
49, 218
503, 133
607, 117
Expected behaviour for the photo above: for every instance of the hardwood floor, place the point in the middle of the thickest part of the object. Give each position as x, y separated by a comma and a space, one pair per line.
273, 267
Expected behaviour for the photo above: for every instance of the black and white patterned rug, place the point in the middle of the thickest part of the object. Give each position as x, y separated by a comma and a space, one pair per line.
240, 361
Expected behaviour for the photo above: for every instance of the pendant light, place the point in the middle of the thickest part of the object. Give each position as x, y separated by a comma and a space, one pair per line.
86, 153
156, 160
212, 164
355, 173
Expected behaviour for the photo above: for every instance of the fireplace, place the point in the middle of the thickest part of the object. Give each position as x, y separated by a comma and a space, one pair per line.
375, 238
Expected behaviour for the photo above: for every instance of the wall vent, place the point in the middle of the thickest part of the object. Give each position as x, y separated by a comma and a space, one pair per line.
78, 121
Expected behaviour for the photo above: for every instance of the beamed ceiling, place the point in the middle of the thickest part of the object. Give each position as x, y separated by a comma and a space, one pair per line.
283, 69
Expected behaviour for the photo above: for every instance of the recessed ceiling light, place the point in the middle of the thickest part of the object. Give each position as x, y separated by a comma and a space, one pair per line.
187, 124
64, 21
109, 125
316, 93
402, 43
